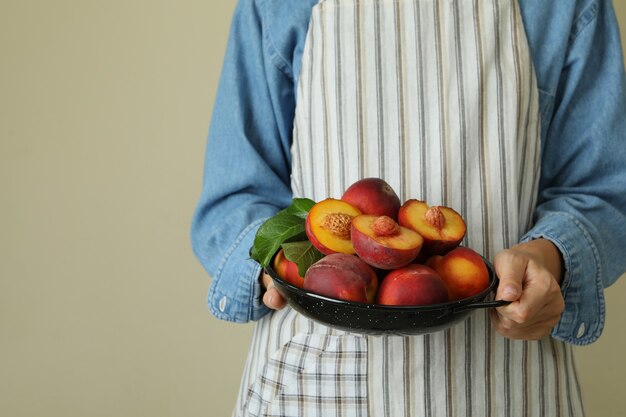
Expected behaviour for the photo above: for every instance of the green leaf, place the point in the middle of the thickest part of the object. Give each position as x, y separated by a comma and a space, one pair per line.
274, 232
303, 253
300, 207
288, 225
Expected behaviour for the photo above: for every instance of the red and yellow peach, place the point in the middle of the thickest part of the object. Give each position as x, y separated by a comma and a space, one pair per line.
463, 271
373, 196
413, 285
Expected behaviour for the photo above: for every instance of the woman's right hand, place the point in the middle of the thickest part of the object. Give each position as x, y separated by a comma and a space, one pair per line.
272, 298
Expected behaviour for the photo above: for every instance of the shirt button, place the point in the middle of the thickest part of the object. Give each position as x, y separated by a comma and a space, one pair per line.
581, 331
222, 305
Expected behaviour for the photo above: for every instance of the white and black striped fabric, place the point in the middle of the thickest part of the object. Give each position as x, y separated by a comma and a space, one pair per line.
439, 98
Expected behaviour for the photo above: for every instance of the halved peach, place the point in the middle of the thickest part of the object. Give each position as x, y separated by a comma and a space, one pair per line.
373, 196
328, 226
442, 227
382, 243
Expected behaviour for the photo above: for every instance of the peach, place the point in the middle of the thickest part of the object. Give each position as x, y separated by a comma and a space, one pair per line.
382, 243
463, 271
327, 226
442, 227
413, 285
343, 277
287, 270
373, 196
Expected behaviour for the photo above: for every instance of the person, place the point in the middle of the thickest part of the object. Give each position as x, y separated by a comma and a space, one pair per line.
511, 112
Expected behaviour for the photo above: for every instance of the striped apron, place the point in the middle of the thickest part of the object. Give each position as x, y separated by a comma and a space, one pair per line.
439, 98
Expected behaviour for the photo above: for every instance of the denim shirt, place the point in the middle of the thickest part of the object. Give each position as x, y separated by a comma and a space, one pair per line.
581, 206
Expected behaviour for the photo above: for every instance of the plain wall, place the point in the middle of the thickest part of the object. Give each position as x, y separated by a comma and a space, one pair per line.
104, 108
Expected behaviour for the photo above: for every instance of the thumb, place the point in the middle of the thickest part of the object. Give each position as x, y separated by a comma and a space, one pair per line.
510, 268
272, 298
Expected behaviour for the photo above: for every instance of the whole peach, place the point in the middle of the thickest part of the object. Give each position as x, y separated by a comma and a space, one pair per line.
463, 271
342, 276
413, 285
373, 196
287, 269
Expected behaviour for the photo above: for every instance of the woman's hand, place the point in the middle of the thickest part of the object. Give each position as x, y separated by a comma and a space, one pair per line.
530, 275
272, 298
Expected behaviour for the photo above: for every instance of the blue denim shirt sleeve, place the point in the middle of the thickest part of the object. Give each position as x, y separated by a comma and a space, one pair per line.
247, 164
579, 66
582, 203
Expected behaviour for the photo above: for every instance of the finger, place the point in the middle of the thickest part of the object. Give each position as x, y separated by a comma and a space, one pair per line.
501, 320
512, 330
272, 298
530, 317
536, 299
510, 268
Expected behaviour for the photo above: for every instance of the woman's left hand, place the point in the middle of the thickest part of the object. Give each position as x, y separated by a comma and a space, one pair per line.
530, 275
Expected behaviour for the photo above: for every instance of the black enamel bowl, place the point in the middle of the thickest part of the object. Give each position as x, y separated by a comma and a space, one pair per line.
380, 319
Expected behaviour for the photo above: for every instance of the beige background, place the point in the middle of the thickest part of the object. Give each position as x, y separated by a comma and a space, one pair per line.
104, 107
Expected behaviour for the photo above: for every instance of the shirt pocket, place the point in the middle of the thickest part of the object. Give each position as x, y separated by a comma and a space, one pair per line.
312, 371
